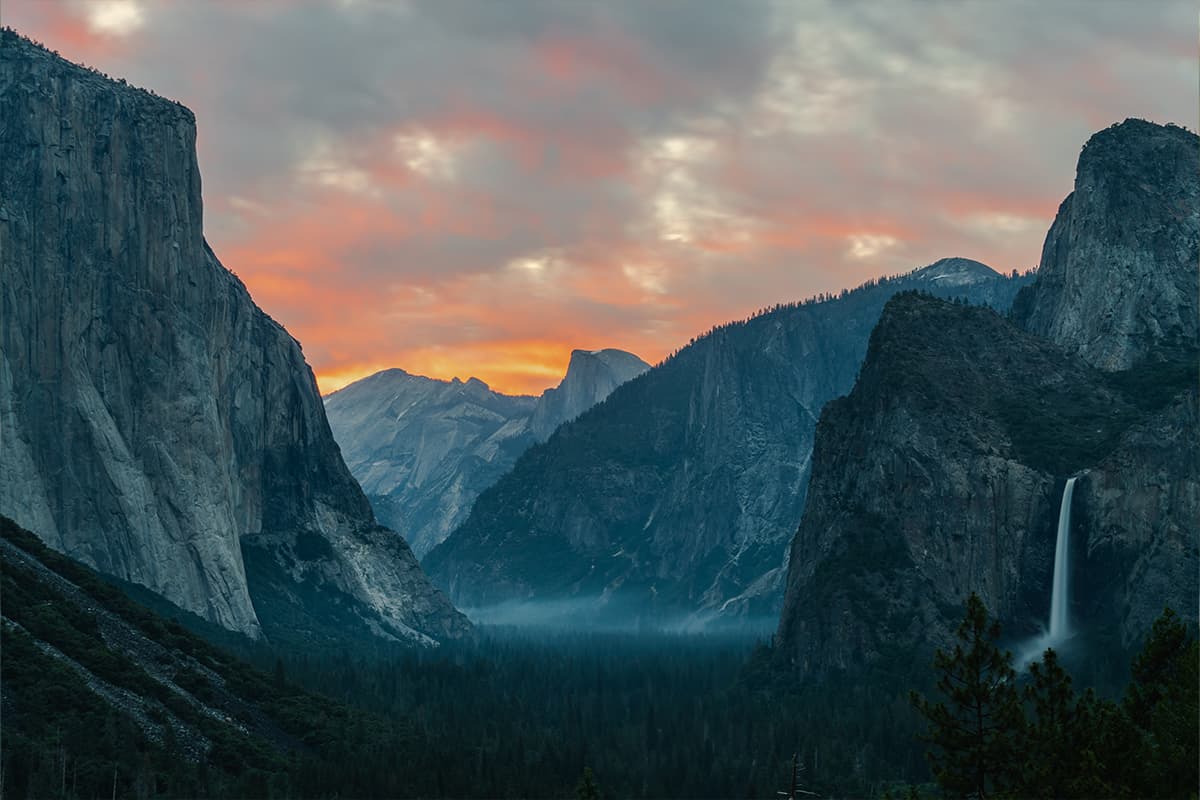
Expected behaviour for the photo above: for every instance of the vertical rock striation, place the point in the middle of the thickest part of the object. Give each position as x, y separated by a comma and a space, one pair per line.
1138, 509
591, 377
154, 422
938, 475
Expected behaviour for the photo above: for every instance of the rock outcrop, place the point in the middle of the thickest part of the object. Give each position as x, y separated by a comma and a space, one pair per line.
1118, 276
424, 449
941, 473
591, 377
674, 501
1138, 510
154, 422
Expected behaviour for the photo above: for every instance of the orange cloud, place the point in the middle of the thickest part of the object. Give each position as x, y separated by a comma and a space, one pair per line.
513, 367
65, 27
478, 201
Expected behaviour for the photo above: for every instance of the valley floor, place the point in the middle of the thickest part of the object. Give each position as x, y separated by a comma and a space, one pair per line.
102, 697
520, 712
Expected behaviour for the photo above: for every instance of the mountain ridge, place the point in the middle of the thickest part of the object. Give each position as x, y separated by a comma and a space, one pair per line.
1101, 290
675, 498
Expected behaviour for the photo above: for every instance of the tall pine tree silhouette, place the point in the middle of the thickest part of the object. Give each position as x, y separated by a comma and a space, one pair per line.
975, 729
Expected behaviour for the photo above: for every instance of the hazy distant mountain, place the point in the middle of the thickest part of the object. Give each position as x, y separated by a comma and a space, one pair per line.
591, 376
154, 422
424, 449
677, 497
942, 472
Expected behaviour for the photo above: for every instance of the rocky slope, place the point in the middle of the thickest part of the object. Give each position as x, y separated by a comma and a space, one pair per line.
941, 473
424, 449
154, 422
1118, 276
119, 653
102, 697
676, 498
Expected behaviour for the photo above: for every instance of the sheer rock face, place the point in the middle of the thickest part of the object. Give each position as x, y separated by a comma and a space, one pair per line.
1118, 275
424, 449
942, 472
153, 421
591, 377
920, 493
677, 497
1138, 510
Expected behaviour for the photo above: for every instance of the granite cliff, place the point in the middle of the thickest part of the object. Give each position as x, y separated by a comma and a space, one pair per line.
154, 422
591, 377
675, 499
941, 473
424, 449
1118, 280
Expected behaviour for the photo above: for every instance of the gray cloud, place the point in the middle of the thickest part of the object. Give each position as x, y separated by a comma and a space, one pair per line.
681, 162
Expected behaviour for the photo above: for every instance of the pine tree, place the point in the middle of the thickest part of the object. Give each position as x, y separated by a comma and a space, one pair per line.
1060, 755
1162, 702
976, 731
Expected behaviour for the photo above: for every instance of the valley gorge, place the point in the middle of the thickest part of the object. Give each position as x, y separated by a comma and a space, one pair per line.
672, 503
739, 572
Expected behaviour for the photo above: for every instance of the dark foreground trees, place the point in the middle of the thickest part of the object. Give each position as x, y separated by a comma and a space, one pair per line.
976, 730
990, 739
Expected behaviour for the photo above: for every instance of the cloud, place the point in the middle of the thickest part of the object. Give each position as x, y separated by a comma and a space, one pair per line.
471, 188
114, 17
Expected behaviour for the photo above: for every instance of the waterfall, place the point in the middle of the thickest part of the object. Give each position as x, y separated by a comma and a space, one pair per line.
1062, 567
1059, 627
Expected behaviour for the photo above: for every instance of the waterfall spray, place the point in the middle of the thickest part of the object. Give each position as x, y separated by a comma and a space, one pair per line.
1062, 568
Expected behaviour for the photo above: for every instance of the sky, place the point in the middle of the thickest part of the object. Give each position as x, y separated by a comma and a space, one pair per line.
477, 188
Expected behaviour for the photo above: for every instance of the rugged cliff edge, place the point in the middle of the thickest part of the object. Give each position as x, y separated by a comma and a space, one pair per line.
942, 472
674, 500
1118, 279
1138, 510
154, 423
424, 449
592, 375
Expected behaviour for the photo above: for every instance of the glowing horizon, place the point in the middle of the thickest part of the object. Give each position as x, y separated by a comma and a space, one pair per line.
461, 191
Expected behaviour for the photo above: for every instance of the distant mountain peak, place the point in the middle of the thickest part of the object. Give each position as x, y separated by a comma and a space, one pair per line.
677, 496
620, 362
591, 377
423, 448
956, 271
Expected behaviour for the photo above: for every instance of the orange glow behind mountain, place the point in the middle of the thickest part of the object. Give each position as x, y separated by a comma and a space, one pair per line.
401, 185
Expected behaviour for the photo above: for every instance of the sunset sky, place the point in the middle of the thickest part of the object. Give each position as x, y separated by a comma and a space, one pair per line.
477, 188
